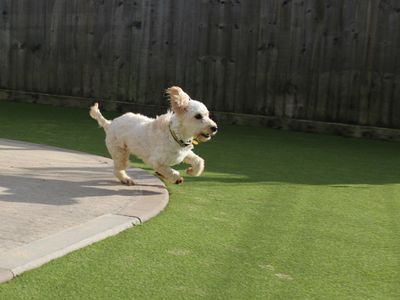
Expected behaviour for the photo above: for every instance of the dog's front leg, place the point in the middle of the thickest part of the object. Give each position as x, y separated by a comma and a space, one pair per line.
197, 164
169, 174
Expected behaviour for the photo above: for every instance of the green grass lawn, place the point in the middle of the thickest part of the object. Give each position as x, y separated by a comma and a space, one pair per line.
276, 215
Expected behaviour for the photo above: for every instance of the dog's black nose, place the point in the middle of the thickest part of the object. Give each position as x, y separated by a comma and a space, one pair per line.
214, 129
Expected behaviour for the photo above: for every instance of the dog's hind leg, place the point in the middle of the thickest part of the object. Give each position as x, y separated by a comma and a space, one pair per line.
121, 163
169, 174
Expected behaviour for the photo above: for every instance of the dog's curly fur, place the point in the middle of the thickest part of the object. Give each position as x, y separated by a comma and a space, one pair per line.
161, 142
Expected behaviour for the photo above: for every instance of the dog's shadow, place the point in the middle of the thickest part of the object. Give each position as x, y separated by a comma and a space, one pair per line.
57, 191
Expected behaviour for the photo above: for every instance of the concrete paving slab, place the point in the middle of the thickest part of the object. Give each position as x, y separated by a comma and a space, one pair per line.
5, 275
53, 201
38, 252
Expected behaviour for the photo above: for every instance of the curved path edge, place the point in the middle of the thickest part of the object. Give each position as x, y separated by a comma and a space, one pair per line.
150, 198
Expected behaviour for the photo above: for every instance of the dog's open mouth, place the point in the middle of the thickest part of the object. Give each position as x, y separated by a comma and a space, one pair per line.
204, 137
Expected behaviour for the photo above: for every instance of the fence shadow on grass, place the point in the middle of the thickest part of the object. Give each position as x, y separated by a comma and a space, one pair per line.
270, 156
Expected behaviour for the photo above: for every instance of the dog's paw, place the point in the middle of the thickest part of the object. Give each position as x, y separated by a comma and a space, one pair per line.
179, 181
190, 171
194, 171
128, 181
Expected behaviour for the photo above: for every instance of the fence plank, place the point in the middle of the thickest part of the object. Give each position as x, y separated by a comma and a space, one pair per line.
5, 43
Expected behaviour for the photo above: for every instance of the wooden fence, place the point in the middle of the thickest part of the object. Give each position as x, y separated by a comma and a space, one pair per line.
320, 60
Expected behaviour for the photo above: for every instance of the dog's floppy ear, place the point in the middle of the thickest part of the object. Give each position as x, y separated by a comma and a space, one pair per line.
178, 98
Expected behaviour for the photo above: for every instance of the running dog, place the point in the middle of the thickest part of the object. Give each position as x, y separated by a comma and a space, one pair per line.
161, 142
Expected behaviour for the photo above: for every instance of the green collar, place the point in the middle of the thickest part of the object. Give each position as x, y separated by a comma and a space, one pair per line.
180, 142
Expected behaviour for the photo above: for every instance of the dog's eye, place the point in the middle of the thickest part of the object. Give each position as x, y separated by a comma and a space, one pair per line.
198, 116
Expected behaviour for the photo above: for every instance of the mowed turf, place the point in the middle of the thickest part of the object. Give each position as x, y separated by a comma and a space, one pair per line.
276, 215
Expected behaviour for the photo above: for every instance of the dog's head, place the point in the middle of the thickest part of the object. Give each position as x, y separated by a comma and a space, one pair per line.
193, 115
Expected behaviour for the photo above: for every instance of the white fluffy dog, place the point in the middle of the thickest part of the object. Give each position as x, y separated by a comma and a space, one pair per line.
162, 142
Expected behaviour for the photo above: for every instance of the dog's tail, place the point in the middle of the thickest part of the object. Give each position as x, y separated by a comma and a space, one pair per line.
96, 114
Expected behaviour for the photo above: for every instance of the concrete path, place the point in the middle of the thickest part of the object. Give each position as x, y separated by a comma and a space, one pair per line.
54, 201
